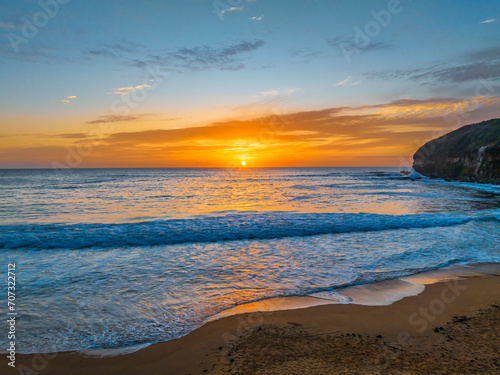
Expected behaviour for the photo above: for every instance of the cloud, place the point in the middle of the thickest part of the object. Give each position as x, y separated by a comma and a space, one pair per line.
385, 124
70, 135
121, 118
377, 45
275, 93
126, 90
233, 67
113, 118
343, 82
228, 57
306, 54
485, 54
50, 136
272, 92
232, 9
7, 25
473, 65
118, 49
491, 20
344, 43
392, 130
393, 118
356, 83
201, 58
349, 48
444, 73
462, 73
67, 100
259, 18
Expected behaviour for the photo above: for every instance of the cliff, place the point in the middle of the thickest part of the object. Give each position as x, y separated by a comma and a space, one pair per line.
470, 153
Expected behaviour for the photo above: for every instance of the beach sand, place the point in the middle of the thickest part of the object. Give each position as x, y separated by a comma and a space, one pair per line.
452, 327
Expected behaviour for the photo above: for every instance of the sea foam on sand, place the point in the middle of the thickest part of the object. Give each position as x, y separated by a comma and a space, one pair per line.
381, 293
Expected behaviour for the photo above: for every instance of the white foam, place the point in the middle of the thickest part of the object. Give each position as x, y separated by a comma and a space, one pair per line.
332, 295
382, 293
455, 272
273, 304
114, 352
230, 227
414, 175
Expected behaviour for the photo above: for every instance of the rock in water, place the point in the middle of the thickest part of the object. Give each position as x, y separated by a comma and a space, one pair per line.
470, 153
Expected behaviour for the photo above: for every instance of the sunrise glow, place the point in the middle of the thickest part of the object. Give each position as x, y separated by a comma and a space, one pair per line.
310, 94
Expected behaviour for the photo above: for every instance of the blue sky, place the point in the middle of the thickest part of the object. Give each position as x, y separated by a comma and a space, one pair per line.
232, 60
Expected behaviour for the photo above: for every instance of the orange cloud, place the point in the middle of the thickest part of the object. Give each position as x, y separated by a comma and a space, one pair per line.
382, 134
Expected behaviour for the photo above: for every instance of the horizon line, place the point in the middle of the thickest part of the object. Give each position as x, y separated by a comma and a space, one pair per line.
242, 168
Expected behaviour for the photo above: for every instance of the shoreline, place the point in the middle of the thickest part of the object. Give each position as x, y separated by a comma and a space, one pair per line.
377, 293
373, 293
207, 347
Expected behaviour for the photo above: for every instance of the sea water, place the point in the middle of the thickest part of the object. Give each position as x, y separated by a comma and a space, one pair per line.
109, 258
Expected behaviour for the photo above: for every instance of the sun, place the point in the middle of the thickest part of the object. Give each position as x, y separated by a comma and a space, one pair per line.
243, 162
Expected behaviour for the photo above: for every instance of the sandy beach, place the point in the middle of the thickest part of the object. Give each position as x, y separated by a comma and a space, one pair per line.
452, 327
250, 187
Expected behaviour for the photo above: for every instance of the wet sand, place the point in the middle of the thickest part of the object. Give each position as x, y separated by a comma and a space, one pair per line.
451, 327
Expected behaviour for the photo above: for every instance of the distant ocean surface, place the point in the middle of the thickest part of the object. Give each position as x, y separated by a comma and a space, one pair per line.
109, 258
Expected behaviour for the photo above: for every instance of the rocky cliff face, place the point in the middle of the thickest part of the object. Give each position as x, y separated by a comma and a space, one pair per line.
470, 153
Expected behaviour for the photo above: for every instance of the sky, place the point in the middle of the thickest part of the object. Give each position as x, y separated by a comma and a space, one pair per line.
198, 83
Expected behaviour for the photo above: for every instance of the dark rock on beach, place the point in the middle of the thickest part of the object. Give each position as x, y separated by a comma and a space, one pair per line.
470, 153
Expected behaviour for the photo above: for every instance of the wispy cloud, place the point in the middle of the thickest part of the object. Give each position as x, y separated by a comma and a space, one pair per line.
259, 18
267, 93
275, 93
126, 90
229, 57
199, 58
386, 130
356, 83
113, 118
343, 82
50, 136
232, 9
118, 49
491, 20
373, 46
466, 67
483, 54
306, 54
444, 73
7, 25
67, 100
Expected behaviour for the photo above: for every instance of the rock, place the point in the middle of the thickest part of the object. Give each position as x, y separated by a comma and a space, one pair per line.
470, 153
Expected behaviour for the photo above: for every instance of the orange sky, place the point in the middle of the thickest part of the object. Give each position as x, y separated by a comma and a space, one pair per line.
373, 135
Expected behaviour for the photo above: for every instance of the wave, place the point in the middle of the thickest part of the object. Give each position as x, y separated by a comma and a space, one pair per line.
304, 187
239, 226
303, 197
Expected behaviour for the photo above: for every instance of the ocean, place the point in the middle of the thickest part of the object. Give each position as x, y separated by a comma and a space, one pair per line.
112, 258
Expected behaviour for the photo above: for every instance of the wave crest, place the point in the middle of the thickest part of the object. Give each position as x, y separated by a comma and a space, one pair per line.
239, 226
